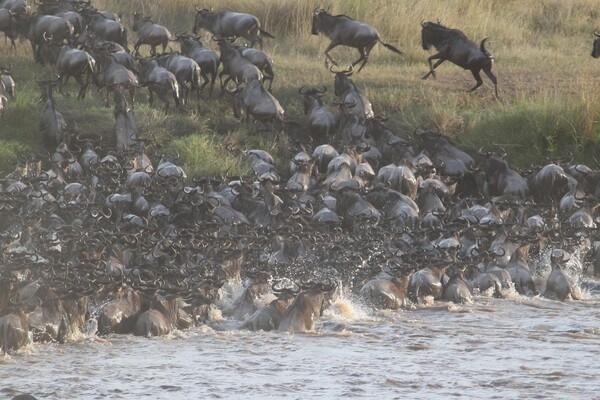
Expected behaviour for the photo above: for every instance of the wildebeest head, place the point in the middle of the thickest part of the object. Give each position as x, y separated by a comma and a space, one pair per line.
596, 48
320, 18
342, 81
426, 34
310, 95
203, 19
433, 33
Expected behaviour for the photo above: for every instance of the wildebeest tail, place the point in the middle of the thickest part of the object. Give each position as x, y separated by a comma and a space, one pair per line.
175, 90
267, 34
91, 66
197, 76
389, 46
484, 51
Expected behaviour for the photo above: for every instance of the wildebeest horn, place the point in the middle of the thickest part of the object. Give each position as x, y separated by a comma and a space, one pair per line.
481, 153
322, 90
423, 23
596, 33
303, 92
350, 103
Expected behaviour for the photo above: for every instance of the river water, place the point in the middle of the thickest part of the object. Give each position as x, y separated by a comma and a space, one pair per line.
515, 347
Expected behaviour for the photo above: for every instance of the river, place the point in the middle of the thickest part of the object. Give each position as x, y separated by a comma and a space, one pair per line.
515, 347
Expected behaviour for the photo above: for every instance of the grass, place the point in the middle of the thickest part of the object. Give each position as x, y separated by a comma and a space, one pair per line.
549, 104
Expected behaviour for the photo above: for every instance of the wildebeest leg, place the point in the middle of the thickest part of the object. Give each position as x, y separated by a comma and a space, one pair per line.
331, 46
212, 84
223, 83
60, 84
490, 74
82, 86
166, 102
205, 81
364, 55
432, 67
106, 96
477, 78
132, 96
150, 97
177, 101
268, 78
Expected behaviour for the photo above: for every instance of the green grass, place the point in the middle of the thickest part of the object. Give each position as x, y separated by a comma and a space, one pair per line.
549, 103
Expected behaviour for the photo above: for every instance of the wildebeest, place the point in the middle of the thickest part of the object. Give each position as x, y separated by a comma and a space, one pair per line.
262, 60
149, 33
237, 67
66, 11
52, 124
35, 26
160, 319
427, 282
254, 100
454, 46
269, 317
14, 331
502, 180
110, 74
119, 315
76, 63
8, 25
345, 31
20, 6
106, 28
308, 305
354, 102
7, 83
230, 24
321, 121
126, 126
186, 70
520, 273
159, 80
207, 59
559, 285
457, 290
596, 45
385, 291
3, 101
57, 318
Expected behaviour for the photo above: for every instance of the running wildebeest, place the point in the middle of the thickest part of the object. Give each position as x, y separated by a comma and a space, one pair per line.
343, 30
226, 23
454, 46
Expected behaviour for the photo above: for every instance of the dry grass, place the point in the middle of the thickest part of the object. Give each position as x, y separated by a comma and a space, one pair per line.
549, 103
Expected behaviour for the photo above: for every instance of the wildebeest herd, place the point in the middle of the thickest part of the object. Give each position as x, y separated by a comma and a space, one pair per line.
106, 238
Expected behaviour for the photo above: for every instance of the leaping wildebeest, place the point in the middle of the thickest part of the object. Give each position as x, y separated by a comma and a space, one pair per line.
343, 30
229, 24
454, 46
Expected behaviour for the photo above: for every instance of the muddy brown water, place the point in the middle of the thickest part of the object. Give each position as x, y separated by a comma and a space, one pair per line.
515, 347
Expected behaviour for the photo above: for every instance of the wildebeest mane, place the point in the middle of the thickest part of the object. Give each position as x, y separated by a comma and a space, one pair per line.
449, 34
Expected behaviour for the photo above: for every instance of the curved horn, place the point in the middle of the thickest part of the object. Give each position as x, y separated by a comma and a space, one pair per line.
303, 92
322, 90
